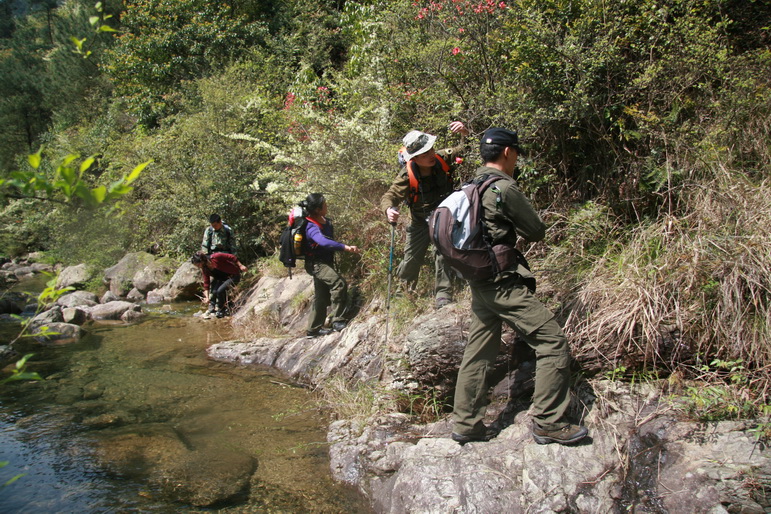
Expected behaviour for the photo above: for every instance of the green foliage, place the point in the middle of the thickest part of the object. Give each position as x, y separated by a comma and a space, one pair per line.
426, 406
48, 296
19, 372
165, 43
646, 126
8, 482
66, 182
51, 293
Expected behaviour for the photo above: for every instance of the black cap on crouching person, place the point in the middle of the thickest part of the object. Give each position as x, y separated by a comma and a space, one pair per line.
501, 136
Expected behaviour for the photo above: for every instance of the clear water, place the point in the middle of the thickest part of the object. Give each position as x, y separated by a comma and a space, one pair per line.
123, 390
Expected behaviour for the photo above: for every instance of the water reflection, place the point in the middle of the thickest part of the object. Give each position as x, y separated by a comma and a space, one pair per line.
136, 418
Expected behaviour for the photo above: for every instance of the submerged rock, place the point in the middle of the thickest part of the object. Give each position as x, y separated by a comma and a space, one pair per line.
191, 472
58, 332
14, 303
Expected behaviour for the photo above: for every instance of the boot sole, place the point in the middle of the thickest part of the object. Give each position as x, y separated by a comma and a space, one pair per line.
542, 439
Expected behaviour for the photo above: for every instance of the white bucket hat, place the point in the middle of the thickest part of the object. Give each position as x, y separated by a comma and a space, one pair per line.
416, 143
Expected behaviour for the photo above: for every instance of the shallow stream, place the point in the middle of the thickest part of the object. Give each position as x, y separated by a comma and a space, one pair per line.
136, 418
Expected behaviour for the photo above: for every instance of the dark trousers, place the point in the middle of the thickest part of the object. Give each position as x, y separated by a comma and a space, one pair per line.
218, 291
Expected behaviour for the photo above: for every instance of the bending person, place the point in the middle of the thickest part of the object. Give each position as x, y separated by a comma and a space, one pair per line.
329, 287
221, 271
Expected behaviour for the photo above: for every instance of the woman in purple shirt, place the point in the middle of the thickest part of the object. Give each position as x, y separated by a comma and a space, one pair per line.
329, 286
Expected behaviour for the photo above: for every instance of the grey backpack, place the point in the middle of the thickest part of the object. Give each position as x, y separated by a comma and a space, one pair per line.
458, 233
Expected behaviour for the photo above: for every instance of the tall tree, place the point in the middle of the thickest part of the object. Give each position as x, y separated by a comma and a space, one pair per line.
166, 43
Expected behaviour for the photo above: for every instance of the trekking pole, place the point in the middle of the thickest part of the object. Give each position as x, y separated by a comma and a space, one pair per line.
390, 270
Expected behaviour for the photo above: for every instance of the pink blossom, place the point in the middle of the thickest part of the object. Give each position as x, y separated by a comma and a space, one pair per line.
459, 160
455, 51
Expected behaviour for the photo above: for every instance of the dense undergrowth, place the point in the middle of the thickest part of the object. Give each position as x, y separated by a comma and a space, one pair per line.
645, 124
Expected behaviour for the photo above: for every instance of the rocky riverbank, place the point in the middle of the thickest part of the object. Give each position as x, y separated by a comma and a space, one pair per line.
642, 454
137, 278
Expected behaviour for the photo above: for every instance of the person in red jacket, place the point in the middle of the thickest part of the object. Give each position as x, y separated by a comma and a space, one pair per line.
220, 271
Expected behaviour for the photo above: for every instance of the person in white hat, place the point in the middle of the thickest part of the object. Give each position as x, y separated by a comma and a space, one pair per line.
424, 180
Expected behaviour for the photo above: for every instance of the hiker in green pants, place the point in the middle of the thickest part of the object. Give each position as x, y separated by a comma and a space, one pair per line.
422, 183
508, 297
328, 286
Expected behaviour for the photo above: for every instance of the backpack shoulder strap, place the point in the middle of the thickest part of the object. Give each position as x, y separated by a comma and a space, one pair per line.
444, 165
414, 190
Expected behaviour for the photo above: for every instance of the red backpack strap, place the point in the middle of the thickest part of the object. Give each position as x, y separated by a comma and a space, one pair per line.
414, 184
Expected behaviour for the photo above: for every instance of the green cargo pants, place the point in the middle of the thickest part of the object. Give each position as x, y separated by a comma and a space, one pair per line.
414, 251
491, 304
328, 288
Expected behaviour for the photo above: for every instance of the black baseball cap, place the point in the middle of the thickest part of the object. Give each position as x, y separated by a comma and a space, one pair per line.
501, 136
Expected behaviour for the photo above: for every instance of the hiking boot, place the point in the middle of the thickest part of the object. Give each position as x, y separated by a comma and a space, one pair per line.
489, 433
220, 314
441, 302
318, 332
568, 434
338, 326
207, 315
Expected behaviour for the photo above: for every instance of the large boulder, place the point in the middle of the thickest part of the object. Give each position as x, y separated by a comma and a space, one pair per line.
78, 299
120, 277
108, 297
52, 315
154, 275
58, 332
74, 276
24, 272
135, 295
434, 347
112, 310
282, 301
74, 315
639, 458
184, 285
39, 267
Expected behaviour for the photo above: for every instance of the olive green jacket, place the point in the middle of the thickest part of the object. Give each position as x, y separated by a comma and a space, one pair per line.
509, 214
435, 188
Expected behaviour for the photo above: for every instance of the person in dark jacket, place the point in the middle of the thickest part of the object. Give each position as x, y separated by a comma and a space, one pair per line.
220, 271
329, 287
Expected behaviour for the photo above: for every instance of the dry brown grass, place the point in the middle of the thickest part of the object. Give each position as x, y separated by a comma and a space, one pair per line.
685, 289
